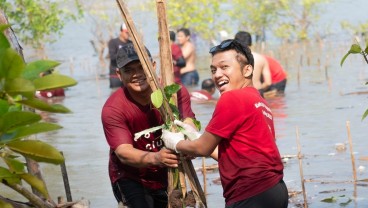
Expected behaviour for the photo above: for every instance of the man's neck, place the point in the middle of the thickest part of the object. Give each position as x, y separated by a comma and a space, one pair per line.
143, 98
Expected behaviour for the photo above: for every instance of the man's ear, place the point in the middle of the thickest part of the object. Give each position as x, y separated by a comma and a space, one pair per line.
154, 65
247, 71
118, 73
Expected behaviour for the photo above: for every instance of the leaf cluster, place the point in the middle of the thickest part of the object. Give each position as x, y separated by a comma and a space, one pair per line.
18, 84
356, 49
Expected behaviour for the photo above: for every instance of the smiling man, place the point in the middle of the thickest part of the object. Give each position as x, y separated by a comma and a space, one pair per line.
250, 165
138, 167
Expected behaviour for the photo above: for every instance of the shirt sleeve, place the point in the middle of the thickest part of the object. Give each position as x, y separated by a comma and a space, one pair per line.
115, 128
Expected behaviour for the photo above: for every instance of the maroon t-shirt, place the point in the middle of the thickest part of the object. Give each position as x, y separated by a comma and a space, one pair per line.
122, 117
249, 160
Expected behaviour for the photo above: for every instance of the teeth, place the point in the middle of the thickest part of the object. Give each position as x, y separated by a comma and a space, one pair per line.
220, 83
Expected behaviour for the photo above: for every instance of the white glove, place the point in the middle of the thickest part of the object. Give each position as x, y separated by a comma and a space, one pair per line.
171, 139
188, 130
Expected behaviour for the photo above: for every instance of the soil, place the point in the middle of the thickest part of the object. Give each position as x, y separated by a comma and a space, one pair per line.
176, 199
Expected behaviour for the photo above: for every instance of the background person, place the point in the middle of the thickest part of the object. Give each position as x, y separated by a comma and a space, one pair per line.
138, 166
242, 128
114, 45
275, 72
188, 74
262, 74
205, 94
177, 56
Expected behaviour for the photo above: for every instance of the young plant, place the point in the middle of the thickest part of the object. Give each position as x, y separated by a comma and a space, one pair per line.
356, 49
18, 84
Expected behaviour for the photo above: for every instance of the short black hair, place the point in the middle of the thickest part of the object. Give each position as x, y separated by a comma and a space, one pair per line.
185, 31
172, 36
208, 84
244, 38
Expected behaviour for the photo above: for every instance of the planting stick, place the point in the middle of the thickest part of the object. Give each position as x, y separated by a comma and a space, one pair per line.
204, 171
351, 151
66, 181
301, 168
168, 78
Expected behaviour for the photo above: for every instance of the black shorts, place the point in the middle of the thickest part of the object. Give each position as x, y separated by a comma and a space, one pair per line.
275, 197
135, 195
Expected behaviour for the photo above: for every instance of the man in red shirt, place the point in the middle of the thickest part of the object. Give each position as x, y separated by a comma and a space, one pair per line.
138, 166
242, 128
278, 75
177, 56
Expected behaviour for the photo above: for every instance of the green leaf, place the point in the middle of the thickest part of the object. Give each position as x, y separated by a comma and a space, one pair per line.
175, 111
355, 48
53, 81
37, 150
6, 175
15, 166
11, 63
36, 183
329, 200
365, 114
4, 107
20, 86
366, 49
30, 130
157, 98
343, 59
42, 105
344, 204
171, 89
5, 204
33, 69
4, 43
15, 119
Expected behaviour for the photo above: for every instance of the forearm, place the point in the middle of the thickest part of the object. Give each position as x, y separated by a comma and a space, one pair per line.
136, 158
203, 146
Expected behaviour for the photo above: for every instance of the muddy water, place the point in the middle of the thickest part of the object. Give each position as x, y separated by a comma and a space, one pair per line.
320, 98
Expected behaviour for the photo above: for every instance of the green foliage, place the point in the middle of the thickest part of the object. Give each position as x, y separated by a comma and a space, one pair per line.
18, 83
356, 49
255, 16
298, 17
40, 21
334, 199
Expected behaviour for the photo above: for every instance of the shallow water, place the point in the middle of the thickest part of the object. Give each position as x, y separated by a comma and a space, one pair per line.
314, 105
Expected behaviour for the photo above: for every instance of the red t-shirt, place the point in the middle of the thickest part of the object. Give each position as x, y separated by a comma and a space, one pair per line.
176, 54
249, 160
278, 74
122, 117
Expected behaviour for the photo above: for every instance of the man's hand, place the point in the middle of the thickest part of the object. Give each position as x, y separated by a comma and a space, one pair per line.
189, 130
171, 139
167, 158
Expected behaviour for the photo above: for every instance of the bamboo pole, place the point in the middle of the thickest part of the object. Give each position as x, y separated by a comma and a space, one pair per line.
204, 171
165, 109
168, 78
146, 62
351, 151
301, 168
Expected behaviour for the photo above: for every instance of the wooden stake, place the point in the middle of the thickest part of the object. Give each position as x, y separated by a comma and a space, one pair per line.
204, 171
351, 151
66, 181
165, 109
301, 168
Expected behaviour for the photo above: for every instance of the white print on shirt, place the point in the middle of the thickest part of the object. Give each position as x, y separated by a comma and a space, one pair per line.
155, 143
267, 114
